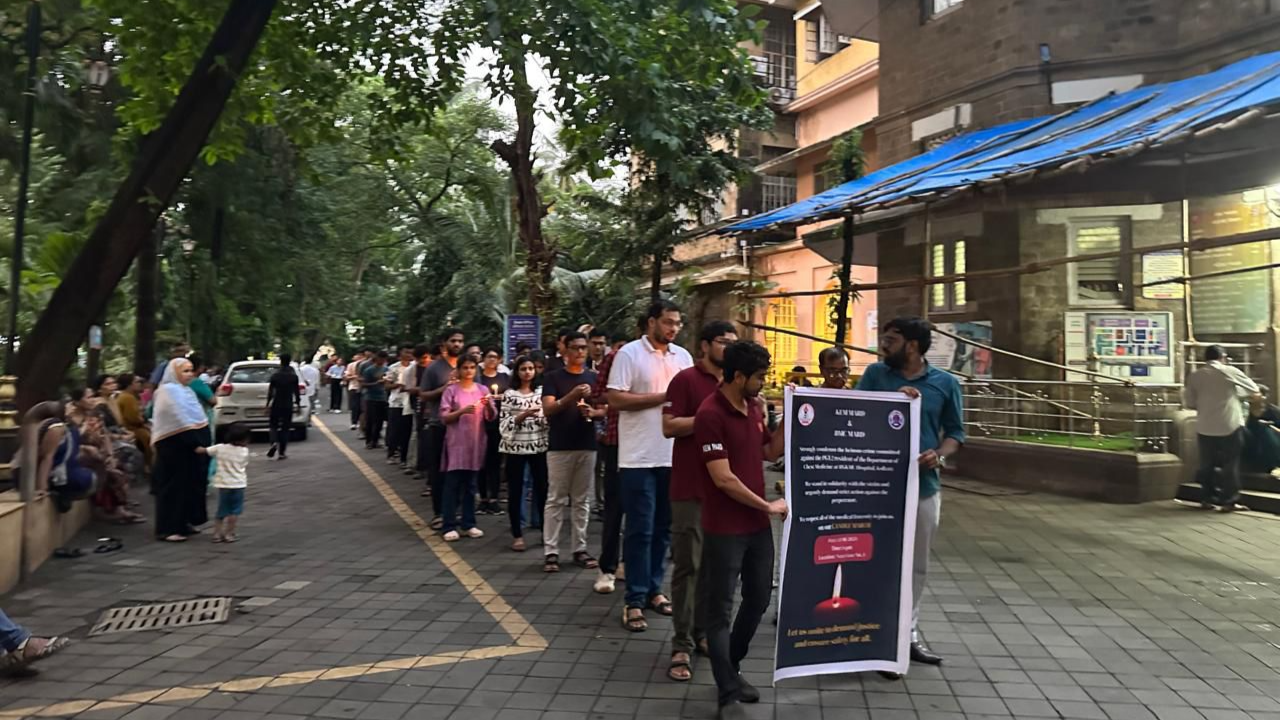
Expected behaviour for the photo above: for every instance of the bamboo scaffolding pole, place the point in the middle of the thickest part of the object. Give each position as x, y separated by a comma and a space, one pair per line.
1044, 265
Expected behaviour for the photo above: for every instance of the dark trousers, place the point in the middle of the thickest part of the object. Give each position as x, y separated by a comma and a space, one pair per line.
491, 475
335, 395
434, 447
688, 591
516, 464
611, 538
399, 434
1220, 453
726, 558
375, 417
279, 427
459, 494
354, 398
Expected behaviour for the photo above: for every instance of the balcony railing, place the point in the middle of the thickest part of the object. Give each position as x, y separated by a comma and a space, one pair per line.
1100, 416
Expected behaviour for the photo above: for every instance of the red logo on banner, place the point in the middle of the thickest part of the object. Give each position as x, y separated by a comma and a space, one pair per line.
843, 548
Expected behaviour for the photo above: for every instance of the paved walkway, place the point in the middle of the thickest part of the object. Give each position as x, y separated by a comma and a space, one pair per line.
350, 608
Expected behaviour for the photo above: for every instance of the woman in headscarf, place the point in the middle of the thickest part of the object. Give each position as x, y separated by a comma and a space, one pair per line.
179, 426
129, 402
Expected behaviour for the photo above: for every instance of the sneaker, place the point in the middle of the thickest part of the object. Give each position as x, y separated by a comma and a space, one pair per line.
353, 427
1235, 507
475, 533
392, 461
605, 583
452, 536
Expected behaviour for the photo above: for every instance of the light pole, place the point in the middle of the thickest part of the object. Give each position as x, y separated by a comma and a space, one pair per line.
24, 176
188, 249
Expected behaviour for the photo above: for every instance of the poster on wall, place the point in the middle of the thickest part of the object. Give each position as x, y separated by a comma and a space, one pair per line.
844, 590
948, 354
1163, 265
1124, 344
1238, 303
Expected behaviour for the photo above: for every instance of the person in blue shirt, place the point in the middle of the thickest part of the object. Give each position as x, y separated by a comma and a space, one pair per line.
903, 343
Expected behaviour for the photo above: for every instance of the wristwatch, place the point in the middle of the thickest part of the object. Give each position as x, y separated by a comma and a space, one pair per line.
942, 461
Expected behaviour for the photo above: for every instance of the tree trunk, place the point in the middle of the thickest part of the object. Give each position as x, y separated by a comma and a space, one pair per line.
655, 280
846, 268
164, 159
540, 257
146, 272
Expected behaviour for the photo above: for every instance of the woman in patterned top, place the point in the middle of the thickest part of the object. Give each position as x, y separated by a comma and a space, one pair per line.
523, 429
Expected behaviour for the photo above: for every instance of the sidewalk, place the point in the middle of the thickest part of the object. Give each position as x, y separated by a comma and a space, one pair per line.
1043, 607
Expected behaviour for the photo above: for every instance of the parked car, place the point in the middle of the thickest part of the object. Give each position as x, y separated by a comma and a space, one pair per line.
242, 398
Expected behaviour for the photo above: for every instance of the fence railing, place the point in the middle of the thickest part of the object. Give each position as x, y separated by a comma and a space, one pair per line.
1103, 416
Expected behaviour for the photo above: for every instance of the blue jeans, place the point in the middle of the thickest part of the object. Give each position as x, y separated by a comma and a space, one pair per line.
459, 485
11, 634
646, 501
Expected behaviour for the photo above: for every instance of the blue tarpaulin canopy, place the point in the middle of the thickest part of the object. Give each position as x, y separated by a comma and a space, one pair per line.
1112, 127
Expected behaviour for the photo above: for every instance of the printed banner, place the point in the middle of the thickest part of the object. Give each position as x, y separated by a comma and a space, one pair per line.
521, 329
844, 592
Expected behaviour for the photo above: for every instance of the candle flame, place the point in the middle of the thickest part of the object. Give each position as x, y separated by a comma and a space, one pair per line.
835, 588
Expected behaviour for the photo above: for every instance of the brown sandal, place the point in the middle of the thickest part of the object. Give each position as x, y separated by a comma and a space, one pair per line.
518, 545
680, 670
634, 623
551, 564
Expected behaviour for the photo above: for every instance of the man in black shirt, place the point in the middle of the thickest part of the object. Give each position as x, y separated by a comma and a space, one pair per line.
283, 395
571, 458
438, 376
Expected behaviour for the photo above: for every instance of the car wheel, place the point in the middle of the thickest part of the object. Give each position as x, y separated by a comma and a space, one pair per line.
299, 432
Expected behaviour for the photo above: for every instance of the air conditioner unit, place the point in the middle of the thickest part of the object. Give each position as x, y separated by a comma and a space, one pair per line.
779, 96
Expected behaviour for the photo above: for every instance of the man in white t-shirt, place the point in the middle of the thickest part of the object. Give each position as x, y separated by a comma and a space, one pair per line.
400, 420
637, 390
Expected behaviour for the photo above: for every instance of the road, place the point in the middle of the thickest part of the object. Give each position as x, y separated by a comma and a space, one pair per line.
348, 607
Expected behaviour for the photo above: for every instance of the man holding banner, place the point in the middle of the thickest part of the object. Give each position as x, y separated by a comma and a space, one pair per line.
730, 429
903, 343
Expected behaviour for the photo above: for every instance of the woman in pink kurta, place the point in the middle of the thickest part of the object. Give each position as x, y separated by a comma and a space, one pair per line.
464, 407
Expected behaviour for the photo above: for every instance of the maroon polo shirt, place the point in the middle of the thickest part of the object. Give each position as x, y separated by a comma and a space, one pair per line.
724, 432
685, 394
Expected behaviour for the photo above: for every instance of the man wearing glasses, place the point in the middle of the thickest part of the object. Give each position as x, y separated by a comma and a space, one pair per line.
833, 363
684, 396
638, 384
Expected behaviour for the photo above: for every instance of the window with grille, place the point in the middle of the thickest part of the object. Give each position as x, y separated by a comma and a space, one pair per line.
948, 258
938, 7
781, 346
776, 191
820, 39
778, 66
1101, 281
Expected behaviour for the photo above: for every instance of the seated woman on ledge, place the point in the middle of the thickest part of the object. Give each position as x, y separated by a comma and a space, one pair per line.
1262, 436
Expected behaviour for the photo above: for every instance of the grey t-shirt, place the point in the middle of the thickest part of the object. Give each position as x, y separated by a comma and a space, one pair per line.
435, 377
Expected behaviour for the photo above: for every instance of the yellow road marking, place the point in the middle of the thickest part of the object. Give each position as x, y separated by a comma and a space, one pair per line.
526, 638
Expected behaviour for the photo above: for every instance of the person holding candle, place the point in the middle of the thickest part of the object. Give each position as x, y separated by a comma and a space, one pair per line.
734, 441
903, 343
684, 396
465, 405
523, 444
571, 458
491, 476
435, 379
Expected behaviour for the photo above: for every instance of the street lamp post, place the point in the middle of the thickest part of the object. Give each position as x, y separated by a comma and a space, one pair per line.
24, 177
188, 249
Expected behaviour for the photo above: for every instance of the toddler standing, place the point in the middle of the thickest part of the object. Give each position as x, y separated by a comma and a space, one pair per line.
230, 478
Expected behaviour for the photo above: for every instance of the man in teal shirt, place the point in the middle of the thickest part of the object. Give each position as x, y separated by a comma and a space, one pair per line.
903, 343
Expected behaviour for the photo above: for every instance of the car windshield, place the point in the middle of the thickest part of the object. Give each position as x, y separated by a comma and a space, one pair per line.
252, 374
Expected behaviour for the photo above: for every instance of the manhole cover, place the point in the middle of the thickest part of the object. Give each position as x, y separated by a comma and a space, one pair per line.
162, 616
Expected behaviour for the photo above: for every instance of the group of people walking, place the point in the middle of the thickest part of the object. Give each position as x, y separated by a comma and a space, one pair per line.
678, 443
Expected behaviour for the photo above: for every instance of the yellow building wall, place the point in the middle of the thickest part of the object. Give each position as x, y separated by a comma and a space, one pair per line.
811, 76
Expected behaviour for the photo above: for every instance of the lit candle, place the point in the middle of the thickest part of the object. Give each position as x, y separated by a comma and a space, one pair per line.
836, 609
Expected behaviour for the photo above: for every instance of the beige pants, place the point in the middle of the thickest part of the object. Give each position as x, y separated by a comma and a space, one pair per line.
570, 474
927, 517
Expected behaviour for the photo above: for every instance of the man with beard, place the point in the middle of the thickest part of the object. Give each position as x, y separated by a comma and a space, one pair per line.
638, 384
685, 394
734, 442
903, 343
438, 376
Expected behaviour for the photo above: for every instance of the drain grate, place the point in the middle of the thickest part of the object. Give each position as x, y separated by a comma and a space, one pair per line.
163, 616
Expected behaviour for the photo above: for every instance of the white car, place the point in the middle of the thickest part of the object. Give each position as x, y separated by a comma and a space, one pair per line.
242, 398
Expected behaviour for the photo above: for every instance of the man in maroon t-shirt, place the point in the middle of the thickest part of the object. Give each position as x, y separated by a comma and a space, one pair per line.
684, 395
734, 440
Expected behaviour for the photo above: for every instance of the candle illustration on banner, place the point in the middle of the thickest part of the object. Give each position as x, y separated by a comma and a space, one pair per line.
836, 608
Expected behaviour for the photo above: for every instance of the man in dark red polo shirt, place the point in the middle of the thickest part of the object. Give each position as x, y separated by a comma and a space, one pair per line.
684, 395
737, 535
